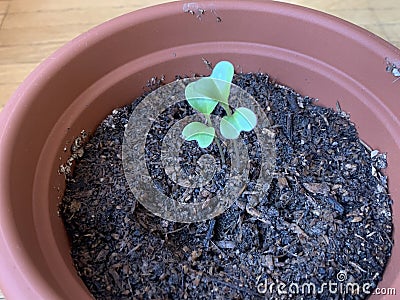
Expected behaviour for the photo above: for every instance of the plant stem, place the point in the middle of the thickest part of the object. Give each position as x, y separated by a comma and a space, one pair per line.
221, 153
235, 146
227, 109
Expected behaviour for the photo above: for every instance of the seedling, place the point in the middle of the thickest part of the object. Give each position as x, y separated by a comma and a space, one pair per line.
204, 95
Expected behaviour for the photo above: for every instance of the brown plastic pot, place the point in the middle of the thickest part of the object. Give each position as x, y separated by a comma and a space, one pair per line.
316, 54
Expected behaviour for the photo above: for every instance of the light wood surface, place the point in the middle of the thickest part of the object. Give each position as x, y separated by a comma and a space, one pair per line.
30, 30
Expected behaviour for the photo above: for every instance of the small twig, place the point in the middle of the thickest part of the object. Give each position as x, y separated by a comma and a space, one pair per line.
289, 126
338, 107
388, 238
209, 234
366, 145
177, 230
182, 280
357, 266
186, 193
360, 237
301, 217
242, 190
219, 250
207, 63
221, 153
286, 251
324, 118
129, 284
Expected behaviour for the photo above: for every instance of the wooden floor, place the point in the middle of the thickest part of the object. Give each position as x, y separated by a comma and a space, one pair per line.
30, 30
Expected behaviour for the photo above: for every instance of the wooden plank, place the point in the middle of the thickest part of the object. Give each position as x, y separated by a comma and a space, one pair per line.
12, 73
3, 7
48, 34
11, 77
359, 16
18, 6
42, 19
381, 19
389, 32
3, 10
27, 53
330, 5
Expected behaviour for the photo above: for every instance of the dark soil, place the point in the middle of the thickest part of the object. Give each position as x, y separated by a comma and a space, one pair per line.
325, 220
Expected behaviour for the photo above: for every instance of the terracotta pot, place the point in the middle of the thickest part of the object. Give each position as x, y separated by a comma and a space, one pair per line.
316, 54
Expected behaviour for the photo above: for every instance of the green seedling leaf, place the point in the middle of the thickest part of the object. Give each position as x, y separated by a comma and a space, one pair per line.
246, 118
223, 75
205, 93
243, 119
199, 132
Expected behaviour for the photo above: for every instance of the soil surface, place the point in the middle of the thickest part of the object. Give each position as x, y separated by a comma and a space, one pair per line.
323, 229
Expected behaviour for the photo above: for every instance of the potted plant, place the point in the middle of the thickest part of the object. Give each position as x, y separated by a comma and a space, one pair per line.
108, 66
